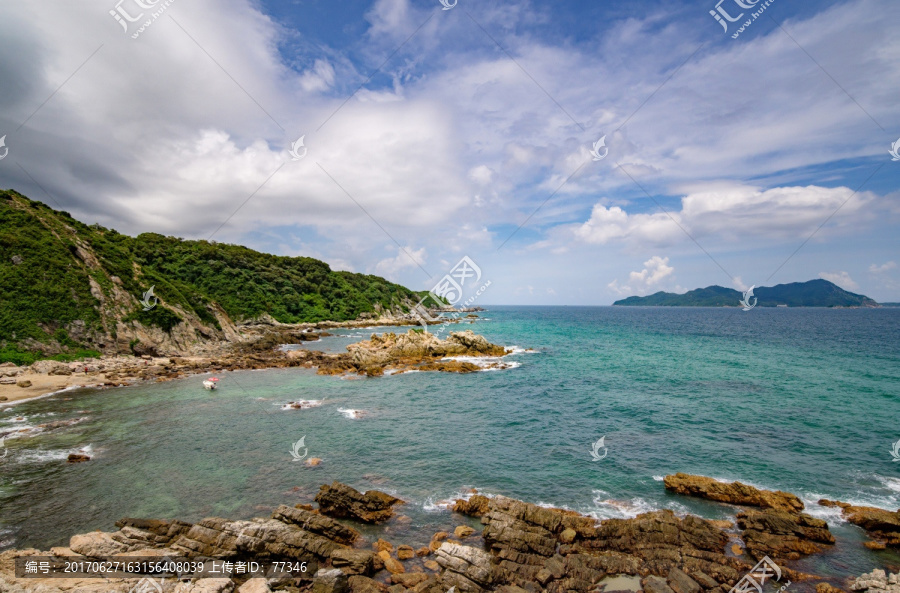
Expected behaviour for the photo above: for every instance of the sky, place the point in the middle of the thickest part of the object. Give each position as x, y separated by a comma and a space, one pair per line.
577, 152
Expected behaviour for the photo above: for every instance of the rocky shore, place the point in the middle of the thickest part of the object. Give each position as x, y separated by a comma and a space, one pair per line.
391, 353
522, 548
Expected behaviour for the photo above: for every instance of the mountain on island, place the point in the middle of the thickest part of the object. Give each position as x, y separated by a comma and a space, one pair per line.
70, 290
814, 293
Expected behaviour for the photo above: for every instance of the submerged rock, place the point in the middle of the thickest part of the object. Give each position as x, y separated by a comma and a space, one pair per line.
882, 525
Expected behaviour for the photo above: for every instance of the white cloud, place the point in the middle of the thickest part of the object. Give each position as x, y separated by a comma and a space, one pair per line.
406, 258
842, 279
656, 269
319, 78
876, 269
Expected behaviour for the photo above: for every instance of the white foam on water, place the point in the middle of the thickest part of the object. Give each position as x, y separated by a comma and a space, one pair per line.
303, 404
352, 414
520, 350
438, 504
611, 508
487, 363
658, 478
831, 515
892, 484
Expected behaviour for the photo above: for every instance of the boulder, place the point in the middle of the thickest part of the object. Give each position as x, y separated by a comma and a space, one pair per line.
23, 383
680, 582
655, 584
827, 588
354, 561
882, 525
254, 586
77, 458
222, 585
97, 544
409, 579
463, 531
360, 584
468, 569
50, 367
732, 492
476, 506
330, 581
340, 500
405, 552
877, 582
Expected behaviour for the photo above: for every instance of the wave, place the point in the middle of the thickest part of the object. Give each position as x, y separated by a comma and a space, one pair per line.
437, 503
353, 414
613, 508
302, 404
43, 456
487, 363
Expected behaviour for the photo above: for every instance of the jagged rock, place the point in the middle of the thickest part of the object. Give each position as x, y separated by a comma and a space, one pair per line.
360, 584
316, 523
877, 582
782, 534
467, 568
827, 588
381, 544
880, 524
733, 492
151, 532
680, 582
463, 531
330, 581
655, 584
97, 544
706, 581
264, 538
340, 500
50, 367
354, 561
476, 506
77, 458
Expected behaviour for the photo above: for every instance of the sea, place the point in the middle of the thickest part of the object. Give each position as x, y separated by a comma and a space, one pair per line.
599, 405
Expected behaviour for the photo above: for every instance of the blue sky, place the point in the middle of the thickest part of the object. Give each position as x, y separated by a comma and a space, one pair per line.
434, 134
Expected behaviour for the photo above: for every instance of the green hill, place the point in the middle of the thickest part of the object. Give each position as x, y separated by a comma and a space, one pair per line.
814, 293
68, 289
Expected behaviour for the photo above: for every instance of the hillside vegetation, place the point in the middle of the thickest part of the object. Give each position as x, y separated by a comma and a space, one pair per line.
68, 289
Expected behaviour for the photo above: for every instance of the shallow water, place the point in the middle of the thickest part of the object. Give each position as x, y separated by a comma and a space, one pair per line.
803, 400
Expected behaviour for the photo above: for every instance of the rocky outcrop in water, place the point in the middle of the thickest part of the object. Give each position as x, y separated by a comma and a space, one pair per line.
732, 492
877, 582
882, 525
342, 501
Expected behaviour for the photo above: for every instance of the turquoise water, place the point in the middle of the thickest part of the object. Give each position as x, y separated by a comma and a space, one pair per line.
803, 400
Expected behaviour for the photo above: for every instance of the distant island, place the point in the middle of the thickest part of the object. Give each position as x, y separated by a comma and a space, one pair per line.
814, 293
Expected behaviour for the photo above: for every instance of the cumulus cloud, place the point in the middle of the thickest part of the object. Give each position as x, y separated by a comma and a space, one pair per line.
842, 279
656, 269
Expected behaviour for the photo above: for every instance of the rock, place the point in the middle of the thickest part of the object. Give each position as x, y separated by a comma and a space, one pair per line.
313, 462
405, 552
827, 588
206, 586
782, 534
340, 500
316, 523
705, 581
381, 544
476, 506
330, 581
567, 536
97, 544
423, 551
3, 398
877, 582
736, 549
359, 584
655, 584
732, 493
392, 565
437, 539
680, 582
8, 381
50, 367
880, 524
463, 531
354, 561
23, 383
432, 565
409, 579
16, 260
254, 586
467, 568
77, 458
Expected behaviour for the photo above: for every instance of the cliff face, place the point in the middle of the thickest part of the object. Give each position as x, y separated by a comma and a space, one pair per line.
67, 288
